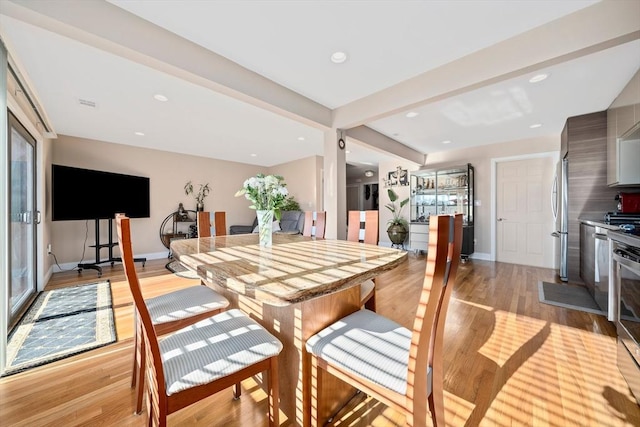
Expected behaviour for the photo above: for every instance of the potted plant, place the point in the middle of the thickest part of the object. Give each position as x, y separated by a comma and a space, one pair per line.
199, 196
398, 226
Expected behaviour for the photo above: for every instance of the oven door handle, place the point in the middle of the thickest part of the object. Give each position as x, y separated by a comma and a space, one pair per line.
632, 265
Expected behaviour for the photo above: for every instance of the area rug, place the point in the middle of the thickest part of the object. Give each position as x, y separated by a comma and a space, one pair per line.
61, 323
179, 270
567, 296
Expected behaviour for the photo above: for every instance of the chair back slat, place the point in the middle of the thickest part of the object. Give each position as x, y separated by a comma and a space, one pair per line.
314, 224
220, 223
204, 223
367, 234
321, 224
155, 373
443, 257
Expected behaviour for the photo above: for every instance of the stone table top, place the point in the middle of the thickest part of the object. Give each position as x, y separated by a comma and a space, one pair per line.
294, 269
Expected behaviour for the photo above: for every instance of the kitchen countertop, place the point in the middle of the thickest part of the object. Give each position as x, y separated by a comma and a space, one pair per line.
600, 223
627, 238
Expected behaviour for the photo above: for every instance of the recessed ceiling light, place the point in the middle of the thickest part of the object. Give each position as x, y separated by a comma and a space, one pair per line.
446, 141
535, 125
301, 138
411, 114
139, 133
368, 173
338, 57
538, 78
254, 155
160, 97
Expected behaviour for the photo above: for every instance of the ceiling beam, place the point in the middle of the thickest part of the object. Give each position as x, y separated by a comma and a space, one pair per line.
587, 31
381, 142
104, 26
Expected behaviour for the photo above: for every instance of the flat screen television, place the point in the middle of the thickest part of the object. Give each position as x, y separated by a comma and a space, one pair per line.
80, 194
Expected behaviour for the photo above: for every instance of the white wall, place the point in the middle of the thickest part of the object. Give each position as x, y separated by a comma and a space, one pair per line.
480, 158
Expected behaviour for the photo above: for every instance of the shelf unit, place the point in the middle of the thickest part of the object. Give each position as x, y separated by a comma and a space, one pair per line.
178, 225
437, 192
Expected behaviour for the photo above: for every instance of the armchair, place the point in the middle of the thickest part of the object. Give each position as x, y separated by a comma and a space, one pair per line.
291, 222
243, 229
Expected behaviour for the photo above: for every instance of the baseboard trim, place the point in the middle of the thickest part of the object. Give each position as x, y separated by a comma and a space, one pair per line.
481, 256
68, 266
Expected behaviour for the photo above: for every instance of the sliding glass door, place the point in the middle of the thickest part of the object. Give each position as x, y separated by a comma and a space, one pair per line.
23, 216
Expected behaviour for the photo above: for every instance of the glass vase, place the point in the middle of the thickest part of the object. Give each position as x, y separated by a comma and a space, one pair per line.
265, 227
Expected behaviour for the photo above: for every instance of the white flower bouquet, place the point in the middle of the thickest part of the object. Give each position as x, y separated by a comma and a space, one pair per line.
266, 192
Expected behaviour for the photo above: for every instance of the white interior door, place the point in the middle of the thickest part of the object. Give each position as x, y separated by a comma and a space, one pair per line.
524, 213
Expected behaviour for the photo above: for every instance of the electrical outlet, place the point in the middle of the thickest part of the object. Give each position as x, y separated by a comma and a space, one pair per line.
49, 249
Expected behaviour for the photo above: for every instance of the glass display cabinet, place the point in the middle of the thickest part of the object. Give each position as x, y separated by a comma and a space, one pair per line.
441, 191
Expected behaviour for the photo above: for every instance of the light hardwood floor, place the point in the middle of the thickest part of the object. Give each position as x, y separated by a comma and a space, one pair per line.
510, 361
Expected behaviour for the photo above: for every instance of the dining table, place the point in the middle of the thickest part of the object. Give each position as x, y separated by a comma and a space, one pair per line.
294, 288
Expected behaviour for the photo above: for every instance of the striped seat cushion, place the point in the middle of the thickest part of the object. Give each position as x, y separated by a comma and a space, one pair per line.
214, 348
368, 345
184, 303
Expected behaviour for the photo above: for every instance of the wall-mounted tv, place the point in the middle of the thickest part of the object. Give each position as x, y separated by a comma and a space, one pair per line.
79, 194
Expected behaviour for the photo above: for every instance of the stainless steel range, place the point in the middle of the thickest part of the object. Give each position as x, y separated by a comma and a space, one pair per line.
625, 257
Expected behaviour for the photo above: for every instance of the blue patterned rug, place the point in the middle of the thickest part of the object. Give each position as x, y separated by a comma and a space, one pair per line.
60, 323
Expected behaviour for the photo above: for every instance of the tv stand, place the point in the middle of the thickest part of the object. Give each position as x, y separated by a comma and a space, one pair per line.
110, 244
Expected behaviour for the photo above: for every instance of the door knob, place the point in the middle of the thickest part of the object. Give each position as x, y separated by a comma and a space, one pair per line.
502, 219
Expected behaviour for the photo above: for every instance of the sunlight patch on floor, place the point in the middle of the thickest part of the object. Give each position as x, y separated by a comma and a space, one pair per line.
511, 332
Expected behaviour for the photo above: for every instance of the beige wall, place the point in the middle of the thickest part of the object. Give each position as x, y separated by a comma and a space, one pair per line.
480, 158
168, 172
301, 177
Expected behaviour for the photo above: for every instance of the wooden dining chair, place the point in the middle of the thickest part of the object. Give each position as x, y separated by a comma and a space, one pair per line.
401, 368
203, 358
220, 223
315, 224
203, 221
363, 227
170, 312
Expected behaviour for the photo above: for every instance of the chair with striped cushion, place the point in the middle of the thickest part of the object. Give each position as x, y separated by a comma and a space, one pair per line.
314, 224
401, 368
363, 227
170, 312
203, 358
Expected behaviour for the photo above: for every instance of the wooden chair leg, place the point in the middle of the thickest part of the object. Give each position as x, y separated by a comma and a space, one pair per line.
436, 405
237, 391
141, 369
136, 357
316, 391
274, 392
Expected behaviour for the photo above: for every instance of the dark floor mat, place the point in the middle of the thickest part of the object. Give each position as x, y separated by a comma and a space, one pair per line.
568, 296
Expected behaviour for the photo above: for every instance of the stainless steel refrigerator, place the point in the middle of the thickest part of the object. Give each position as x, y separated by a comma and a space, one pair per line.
561, 214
